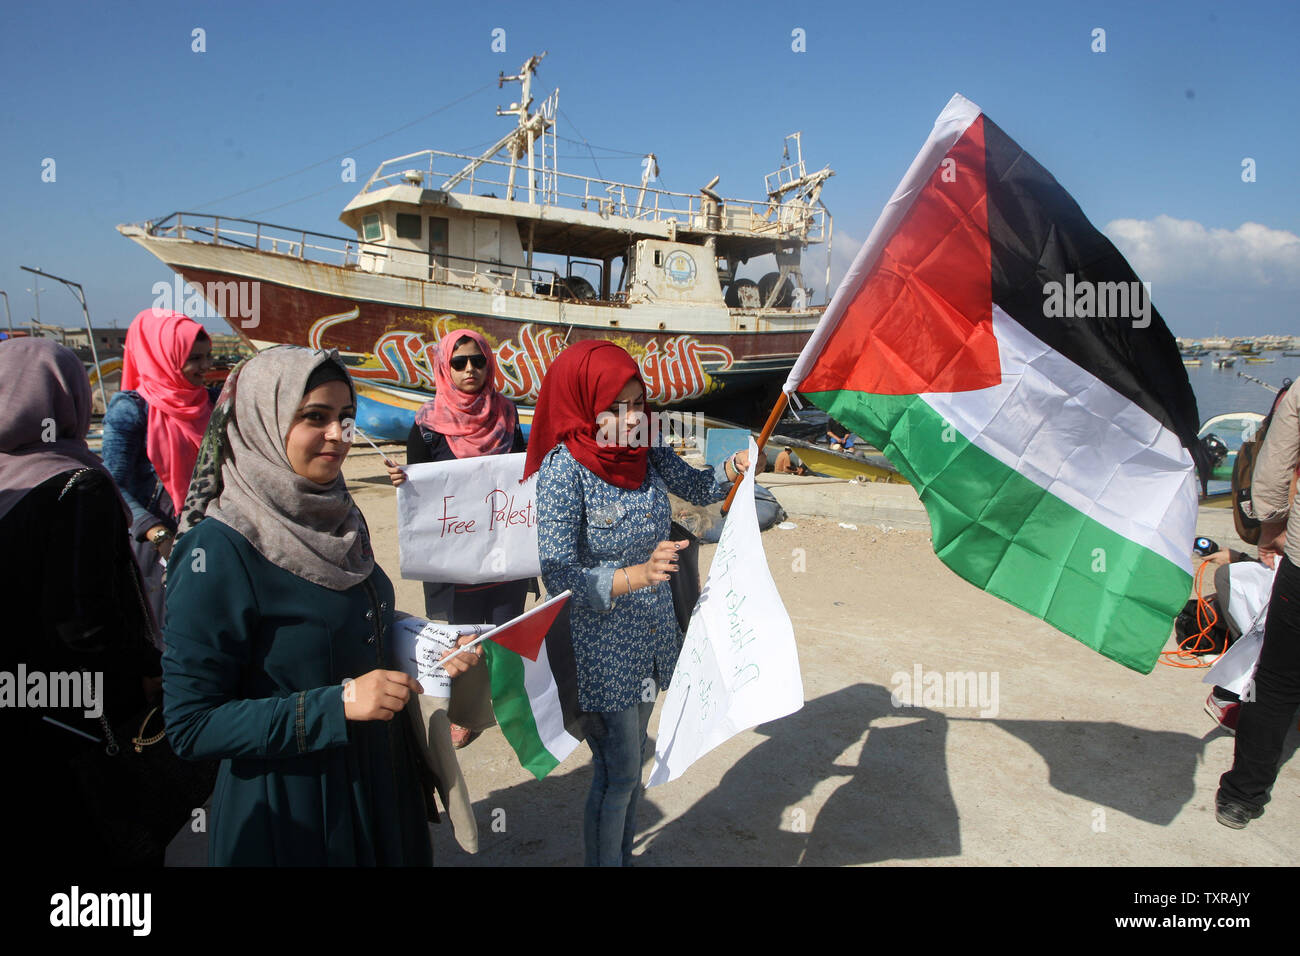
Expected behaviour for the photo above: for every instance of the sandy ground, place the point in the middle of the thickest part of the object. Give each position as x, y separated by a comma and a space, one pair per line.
1083, 763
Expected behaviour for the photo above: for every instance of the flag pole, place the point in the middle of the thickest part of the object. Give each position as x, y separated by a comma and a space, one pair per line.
770, 424
464, 647
370, 441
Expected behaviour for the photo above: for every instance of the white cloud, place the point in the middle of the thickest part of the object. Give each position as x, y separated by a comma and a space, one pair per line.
1167, 250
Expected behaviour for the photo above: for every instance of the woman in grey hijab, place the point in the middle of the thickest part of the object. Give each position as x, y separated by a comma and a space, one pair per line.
74, 611
279, 659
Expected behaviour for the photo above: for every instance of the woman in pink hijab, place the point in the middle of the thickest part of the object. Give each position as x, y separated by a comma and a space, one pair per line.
468, 417
153, 427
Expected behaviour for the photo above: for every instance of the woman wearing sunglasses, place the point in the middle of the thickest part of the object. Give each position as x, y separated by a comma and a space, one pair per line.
468, 417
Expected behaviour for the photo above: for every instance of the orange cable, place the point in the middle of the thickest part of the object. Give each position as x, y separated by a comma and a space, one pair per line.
1200, 642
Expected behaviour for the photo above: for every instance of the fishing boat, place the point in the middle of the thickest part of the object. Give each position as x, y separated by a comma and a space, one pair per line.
865, 463
1259, 360
1192, 362
1225, 361
533, 258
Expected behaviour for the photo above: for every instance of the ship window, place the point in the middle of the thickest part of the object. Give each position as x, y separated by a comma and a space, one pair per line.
408, 226
370, 228
659, 257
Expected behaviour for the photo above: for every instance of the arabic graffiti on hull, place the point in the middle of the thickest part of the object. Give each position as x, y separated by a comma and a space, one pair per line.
673, 368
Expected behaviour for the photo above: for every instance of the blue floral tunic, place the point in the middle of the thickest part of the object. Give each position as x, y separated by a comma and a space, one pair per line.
586, 530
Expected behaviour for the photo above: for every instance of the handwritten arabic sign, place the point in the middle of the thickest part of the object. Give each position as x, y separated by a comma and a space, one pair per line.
739, 666
468, 521
418, 646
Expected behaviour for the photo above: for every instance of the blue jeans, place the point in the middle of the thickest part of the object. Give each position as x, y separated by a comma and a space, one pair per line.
617, 741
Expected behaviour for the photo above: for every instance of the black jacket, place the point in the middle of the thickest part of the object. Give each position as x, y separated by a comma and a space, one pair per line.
425, 444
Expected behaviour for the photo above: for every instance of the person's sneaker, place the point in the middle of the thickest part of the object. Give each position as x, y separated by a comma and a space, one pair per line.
1224, 712
1233, 814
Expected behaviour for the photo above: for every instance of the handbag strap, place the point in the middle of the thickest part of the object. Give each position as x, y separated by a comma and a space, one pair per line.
140, 741
72, 481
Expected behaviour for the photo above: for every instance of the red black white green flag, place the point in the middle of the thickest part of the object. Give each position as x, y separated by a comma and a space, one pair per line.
1005, 357
535, 685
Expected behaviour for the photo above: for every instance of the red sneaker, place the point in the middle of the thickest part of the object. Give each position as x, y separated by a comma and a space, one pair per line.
1224, 712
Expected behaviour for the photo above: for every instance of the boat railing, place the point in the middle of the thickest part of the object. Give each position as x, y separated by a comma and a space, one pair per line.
250, 234
434, 169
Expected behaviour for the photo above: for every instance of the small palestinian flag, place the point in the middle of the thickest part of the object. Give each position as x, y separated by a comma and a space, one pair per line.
535, 685
1004, 356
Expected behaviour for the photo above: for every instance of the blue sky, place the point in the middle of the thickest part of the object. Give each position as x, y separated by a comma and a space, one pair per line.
1149, 136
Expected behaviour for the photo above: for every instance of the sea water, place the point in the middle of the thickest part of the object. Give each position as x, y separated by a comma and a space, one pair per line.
1220, 391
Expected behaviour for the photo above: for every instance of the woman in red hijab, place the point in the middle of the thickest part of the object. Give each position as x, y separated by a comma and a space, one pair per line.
468, 417
153, 427
602, 519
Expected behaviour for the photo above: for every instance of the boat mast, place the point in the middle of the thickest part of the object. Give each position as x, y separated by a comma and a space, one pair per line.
521, 140
793, 177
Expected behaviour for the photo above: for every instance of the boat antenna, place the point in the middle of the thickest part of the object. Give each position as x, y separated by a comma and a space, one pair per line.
520, 141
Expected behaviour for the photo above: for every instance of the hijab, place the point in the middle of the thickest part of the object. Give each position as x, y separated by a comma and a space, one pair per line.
158, 343
243, 477
45, 395
478, 423
582, 382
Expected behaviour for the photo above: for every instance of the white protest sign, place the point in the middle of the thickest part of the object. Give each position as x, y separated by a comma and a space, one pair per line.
419, 644
468, 521
739, 666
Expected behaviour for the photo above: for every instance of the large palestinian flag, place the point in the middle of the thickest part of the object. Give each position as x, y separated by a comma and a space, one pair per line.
1004, 356
535, 685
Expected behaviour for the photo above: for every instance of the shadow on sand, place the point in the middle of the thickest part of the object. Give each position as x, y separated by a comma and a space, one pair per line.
807, 795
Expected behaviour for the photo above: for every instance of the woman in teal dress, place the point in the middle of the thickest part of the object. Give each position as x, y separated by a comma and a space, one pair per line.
278, 654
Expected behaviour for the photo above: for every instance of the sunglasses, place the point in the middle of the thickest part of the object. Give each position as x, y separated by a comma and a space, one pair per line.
459, 362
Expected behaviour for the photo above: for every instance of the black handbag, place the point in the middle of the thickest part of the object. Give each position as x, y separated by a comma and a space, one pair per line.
136, 792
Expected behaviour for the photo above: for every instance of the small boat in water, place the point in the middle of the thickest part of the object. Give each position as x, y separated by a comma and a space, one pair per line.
1192, 362
1225, 361
1233, 429
863, 462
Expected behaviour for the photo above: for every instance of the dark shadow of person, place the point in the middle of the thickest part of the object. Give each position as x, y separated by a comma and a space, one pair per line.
1148, 774
893, 803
